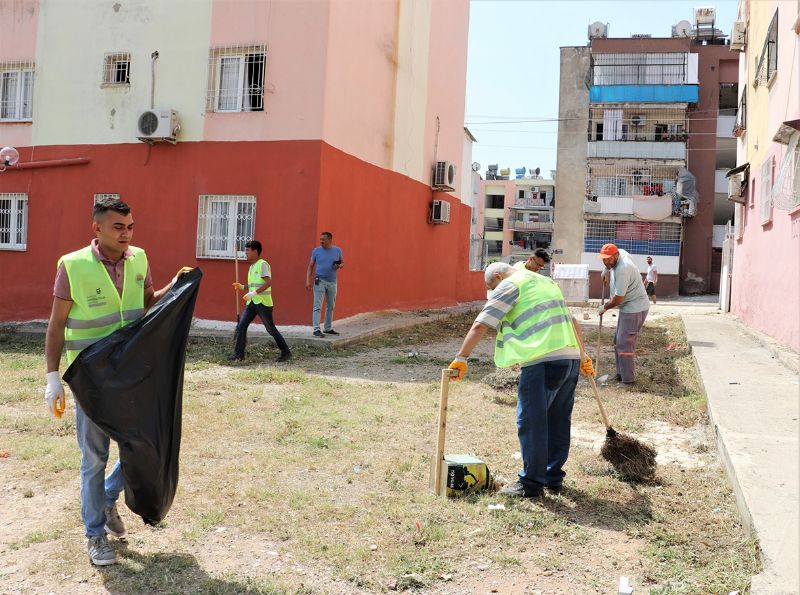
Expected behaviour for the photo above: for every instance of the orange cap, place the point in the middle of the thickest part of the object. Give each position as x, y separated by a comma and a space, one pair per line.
608, 250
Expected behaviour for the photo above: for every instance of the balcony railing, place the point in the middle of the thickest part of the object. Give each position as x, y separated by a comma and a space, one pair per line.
636, 150
531, 225
528, 203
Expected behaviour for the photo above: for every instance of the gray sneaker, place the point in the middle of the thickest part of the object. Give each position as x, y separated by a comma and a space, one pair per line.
100, 552
114, 525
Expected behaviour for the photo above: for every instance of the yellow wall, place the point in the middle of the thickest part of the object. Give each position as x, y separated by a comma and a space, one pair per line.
71, 107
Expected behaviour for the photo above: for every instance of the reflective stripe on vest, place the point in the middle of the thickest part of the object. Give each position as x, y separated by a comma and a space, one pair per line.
97, 308
255, 280
539, 323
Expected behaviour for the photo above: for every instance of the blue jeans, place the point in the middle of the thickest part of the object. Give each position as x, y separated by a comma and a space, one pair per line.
265, 314
96, 493
545, 398
324, 290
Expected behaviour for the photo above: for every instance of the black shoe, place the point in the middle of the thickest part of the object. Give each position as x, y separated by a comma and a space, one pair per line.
318, 333
618, 378
518, 490
236, 358
332, 332
285, 357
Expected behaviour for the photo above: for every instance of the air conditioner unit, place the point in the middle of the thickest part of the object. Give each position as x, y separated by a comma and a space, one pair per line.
440, 212
156, 125
444, 176
735, 188
738, 35
638, 120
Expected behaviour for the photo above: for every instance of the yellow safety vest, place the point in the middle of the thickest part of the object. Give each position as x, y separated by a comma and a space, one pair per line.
255, 280
97, 308
539, 323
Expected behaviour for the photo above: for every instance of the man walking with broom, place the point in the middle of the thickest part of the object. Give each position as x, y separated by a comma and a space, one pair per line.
536, 330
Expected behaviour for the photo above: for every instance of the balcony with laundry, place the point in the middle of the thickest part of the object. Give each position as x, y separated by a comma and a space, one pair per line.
637, 132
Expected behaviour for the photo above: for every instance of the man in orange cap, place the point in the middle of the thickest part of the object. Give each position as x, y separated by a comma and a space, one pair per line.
629, 294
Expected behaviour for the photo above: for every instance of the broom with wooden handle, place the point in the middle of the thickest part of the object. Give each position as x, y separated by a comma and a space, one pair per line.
632, 459
441, 429
600, 327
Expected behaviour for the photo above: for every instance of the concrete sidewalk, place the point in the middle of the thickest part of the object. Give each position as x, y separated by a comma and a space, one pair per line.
754, 405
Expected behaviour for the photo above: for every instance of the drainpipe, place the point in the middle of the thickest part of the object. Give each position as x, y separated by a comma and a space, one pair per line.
153, 58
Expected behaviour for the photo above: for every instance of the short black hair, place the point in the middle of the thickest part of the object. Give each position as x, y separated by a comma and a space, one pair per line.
107, 203
255, 245
327, 234
543, 254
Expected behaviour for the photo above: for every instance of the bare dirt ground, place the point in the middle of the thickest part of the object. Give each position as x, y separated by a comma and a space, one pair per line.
313, 478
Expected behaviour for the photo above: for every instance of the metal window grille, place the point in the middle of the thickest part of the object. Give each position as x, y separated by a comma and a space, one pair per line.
117, 69
662, 239
236, 78
767, 63
741, 116
16, 91
640, 69
13, 221
622, 123
225, 221
630, 180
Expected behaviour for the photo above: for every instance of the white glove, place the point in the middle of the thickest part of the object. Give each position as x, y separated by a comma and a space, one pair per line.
601, 310
54, 394
249, 295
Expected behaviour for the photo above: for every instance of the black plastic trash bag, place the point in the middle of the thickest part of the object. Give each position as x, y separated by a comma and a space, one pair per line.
131, 385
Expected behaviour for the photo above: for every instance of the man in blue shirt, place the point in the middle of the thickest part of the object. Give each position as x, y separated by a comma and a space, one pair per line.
327, 260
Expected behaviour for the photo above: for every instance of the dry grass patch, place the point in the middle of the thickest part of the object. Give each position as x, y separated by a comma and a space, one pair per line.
313, 477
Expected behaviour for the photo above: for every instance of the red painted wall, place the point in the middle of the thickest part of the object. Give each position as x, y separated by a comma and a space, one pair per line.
302, 187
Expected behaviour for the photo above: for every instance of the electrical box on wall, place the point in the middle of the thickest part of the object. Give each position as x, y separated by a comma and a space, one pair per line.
440, 212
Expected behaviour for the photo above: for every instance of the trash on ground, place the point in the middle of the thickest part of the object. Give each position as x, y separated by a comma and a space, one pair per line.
624, 587
496, 507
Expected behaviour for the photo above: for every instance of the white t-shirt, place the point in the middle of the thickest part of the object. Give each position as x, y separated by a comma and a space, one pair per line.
650, 270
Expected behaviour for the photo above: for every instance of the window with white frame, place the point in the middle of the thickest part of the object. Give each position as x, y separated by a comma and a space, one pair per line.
117, 69
13, 221
16, 91
225, 221
765, 191
236, 78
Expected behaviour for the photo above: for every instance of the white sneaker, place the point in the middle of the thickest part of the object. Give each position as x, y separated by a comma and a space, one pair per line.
100, 551
114, 525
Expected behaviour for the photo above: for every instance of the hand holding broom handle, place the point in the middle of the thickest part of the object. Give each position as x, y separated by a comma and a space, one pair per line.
600, 328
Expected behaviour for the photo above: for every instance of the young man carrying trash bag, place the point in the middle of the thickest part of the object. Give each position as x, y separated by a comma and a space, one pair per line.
98, 290
536, 330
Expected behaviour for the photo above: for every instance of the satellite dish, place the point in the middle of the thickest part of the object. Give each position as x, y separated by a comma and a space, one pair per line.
682, 29
9, 156
536, 171
476, 166
598, 29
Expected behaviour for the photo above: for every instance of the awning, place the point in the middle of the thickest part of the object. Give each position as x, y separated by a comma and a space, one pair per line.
786, 130
744, 167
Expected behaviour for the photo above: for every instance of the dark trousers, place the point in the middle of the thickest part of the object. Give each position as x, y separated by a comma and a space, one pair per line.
265, 314
546, 394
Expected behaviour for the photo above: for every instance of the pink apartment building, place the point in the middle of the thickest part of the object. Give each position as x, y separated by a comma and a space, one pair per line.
269, 119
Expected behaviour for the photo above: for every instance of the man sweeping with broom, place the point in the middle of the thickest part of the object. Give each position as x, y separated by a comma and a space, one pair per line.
536, 330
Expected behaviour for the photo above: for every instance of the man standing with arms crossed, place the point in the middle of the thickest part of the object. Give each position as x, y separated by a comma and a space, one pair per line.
536, 330
327, 260
259, 302
98, 289
627, 292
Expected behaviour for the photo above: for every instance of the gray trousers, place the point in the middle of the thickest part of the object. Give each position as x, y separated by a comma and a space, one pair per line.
628, 326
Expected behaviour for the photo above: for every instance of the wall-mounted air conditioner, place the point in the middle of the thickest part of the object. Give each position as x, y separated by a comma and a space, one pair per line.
738, 35
735, 188
443, 176
440, 212
157, 125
